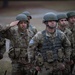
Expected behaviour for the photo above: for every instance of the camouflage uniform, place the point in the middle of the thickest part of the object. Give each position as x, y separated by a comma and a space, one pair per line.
2, 43
53, 51
31, 27
71, 20
18, 47
73, 71
62, 25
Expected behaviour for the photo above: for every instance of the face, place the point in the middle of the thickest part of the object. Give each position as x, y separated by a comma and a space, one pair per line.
63, 22
28, 19
52, 24
22, 24
72, 19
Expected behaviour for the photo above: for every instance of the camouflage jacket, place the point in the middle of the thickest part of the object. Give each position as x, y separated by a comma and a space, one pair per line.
18, 42
72, 28
33, 29
68, 33
38, 39
2, 42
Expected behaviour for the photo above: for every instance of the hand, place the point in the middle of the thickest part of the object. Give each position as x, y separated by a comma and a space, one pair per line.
61, 66
14, 23
37, 68
71, 62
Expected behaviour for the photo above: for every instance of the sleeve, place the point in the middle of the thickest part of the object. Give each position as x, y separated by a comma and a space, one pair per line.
67, 47
2, 43
34, 30
32, 45
7, 32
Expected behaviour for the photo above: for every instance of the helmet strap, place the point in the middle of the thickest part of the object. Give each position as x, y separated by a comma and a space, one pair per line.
46, 23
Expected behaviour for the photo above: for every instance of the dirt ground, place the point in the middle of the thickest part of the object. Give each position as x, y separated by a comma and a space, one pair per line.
37, 10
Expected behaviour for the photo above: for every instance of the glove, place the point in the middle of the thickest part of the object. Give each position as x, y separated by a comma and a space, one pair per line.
1, 56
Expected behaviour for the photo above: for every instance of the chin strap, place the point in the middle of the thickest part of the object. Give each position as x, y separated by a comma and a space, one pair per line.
50, 27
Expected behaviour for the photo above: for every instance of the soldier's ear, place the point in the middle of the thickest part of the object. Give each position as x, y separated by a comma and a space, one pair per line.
46, 23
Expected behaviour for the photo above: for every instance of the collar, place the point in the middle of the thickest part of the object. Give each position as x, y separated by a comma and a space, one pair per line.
22, 32
51, 35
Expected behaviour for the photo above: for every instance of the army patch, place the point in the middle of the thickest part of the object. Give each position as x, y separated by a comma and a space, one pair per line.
31, 42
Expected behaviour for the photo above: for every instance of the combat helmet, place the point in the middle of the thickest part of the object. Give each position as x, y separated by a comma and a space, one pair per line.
61, 16
70, 14
49, 16
21, 17
27, 14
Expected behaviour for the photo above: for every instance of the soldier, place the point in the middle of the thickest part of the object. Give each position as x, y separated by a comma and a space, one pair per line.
29, 18
2, 44
32, 29
54, 49
62, 25
19, 36
71, 20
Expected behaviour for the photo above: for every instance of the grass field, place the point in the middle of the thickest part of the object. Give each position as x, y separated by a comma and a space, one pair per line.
36, 8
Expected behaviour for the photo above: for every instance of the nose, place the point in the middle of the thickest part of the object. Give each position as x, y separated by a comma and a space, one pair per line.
64, 22
23, 23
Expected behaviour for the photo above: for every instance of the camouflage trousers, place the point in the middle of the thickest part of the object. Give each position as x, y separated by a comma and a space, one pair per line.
20, 69
56, 68
73, 60
73, 71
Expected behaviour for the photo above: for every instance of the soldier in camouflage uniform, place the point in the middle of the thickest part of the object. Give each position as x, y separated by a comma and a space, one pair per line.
62, 25
54, 48
2, 43
19, 36
71, 20
31, 27
29, 18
